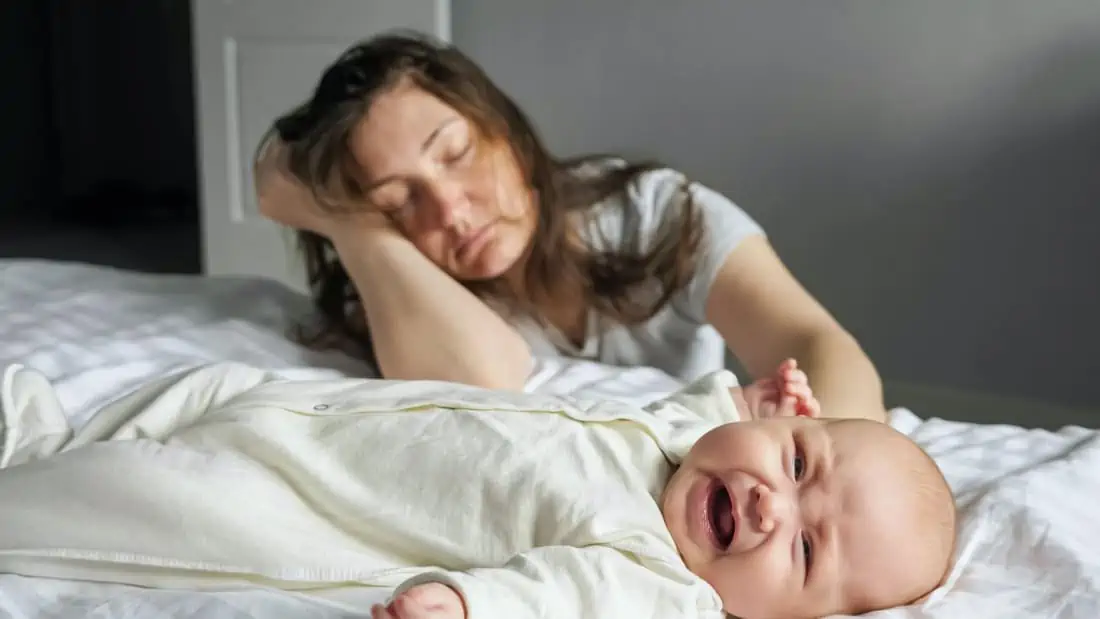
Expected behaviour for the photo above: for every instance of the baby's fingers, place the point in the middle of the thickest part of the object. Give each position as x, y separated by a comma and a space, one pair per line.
801, 391
770, 390
794, 376
810, 407
787, 365
787, 406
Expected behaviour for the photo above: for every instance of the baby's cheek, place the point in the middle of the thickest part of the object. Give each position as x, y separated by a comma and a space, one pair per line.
753, 584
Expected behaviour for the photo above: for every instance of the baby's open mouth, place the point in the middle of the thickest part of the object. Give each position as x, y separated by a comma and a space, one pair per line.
721, 515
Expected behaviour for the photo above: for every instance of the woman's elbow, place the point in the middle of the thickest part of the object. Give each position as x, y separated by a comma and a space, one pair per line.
509, 374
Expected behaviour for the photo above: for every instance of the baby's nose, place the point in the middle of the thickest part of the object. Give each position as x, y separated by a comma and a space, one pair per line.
771, 508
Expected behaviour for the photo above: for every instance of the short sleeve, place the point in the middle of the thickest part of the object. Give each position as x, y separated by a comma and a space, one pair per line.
657, 195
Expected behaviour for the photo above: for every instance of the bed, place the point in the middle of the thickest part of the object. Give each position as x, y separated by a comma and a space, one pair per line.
1029, 544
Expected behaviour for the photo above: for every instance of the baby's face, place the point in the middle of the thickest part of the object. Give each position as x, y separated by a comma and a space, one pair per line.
798, 517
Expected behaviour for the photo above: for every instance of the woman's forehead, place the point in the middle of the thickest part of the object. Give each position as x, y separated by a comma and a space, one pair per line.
401, 127
407, 113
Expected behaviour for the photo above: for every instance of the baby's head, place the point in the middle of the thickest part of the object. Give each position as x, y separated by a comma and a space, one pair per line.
800, 517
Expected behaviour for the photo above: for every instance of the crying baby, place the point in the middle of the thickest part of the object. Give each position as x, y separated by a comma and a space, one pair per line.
470, 503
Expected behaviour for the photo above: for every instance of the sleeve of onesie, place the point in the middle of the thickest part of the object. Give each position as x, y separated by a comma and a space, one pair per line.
658, 195
594, 582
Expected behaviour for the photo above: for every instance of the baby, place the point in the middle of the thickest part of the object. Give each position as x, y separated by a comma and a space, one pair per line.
472, 503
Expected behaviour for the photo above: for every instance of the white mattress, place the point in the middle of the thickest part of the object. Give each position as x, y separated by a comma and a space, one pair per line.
1029, 546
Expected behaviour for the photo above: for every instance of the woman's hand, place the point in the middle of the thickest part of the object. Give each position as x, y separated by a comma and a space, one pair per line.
284, 200
280, 197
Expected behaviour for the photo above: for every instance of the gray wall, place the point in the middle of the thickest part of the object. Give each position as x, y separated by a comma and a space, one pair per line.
930, 170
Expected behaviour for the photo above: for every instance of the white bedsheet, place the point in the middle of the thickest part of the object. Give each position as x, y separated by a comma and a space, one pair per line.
1029, 546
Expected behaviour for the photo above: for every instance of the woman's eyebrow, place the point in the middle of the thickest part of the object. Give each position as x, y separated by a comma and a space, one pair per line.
435, 134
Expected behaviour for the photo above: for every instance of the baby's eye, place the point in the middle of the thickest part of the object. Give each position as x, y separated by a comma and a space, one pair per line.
807, 552
799, 465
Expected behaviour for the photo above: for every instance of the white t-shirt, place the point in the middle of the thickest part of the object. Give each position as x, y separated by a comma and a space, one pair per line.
678, 339
530, 505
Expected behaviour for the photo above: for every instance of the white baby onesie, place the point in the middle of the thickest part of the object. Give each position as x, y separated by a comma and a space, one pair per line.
227, 476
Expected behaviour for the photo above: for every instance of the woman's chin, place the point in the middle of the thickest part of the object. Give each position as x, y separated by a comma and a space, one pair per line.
479, 271
494, 262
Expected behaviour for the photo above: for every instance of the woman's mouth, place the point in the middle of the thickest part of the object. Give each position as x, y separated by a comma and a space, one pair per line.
474, 243
720, 515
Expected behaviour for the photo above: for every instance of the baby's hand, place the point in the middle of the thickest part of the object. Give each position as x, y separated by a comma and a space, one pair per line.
793, 383
428, 601
786, 393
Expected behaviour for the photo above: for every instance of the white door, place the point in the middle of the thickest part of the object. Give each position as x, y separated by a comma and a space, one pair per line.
254, 60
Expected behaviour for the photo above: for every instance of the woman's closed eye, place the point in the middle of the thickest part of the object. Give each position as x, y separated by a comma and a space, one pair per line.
398, 209
391, 198
462, 154
458, 149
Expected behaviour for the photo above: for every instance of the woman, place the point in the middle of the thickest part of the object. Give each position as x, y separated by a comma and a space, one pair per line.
441, 235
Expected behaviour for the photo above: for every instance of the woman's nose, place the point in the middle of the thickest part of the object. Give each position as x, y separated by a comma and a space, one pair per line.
450, 204
769, 508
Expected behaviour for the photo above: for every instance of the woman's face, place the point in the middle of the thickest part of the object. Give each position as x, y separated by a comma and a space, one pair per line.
459, 198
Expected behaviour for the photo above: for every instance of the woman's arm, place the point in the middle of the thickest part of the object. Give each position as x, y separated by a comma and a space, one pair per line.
424, 324
765, 316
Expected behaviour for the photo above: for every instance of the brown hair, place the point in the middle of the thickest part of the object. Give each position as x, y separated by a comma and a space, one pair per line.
619, 284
